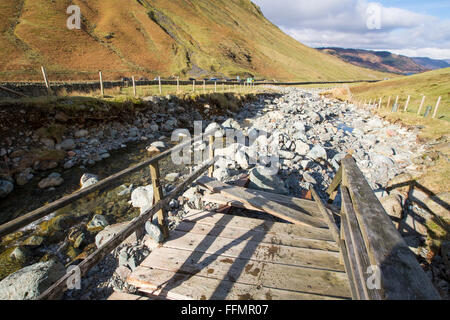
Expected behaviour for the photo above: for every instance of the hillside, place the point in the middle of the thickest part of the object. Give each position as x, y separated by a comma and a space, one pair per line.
156, 37
432, 84
431, 64
383, 61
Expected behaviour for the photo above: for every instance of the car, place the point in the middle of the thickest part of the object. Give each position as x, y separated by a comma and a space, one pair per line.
213, 79
192, 79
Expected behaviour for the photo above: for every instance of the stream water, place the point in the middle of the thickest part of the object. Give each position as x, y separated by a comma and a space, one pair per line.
64, 234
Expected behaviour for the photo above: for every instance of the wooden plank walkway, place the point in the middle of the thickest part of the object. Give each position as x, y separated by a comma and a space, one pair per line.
220, 256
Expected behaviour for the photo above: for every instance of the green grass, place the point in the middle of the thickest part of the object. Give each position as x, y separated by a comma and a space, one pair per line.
432, 84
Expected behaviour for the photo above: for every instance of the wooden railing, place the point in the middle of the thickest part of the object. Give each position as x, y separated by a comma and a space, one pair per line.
378, 262
160, 202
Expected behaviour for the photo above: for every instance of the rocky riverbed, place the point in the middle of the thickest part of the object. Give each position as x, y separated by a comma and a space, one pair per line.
312, 134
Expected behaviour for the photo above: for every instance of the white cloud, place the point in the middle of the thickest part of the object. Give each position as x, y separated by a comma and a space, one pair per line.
343, 23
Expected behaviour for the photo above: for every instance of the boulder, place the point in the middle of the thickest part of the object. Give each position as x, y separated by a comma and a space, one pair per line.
24, 177
53, 180
68, 144
153, 231
231, 124
317, 152
111, 231
309, 178
221, 174
6, 187
241, 159
301, 148
271, 183
158, 144
28, 283
97, 222
88, 179
172, 177
142, 197
81, 133
393, 206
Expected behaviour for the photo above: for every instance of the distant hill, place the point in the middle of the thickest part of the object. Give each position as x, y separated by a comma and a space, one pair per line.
186, 38
377, 60
431, 64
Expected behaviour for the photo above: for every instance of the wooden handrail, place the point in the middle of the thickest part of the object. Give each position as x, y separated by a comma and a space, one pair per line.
41, 212
371, 240
54, 291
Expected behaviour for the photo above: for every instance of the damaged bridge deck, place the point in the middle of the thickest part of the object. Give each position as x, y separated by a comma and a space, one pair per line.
221, 256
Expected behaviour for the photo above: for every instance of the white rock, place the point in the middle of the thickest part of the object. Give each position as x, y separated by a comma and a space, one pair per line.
88, 179
301, 147
142, 198
317, 152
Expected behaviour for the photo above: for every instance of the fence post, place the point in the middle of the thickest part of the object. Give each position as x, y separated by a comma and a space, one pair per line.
436, 108
379, 104
134, 86
159, 83
223, 87
204, 86
211, 154
396, 104
157, 196
421, 105
215, 86
407, 102
47, 85
388, 103
102, 90
178, 84
193, 85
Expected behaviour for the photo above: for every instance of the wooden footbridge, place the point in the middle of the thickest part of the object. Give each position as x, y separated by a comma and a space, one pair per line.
216, 255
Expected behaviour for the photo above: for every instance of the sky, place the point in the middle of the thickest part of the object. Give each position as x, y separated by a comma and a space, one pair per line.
410, 27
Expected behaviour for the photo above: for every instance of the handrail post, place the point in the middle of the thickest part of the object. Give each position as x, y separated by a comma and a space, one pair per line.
211, 155
158, 196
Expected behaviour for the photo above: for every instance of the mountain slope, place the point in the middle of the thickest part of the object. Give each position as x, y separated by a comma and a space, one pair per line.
156, 37
377, 60
432, 84
431, 64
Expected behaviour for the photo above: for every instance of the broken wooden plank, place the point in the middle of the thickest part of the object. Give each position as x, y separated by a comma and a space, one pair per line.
242, 182
335, 183
179, 286
360, 251
122, 296
401, 275
213, 218
249, 272
270, 238
256, 200
303, 205
251, 248
328, 216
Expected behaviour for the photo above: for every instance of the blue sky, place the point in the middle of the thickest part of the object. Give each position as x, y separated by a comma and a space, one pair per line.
409, 27
436, 8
